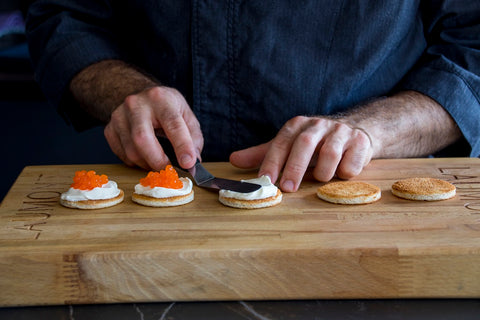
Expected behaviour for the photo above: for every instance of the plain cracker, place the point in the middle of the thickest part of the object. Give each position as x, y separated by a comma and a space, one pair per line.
349, 192
423, 189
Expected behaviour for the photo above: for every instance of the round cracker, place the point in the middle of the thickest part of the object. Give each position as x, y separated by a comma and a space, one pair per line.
423, 189
252, 204
349, 192
93, 204
163, 202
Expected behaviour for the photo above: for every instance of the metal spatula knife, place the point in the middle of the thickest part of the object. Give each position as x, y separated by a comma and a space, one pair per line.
205, 179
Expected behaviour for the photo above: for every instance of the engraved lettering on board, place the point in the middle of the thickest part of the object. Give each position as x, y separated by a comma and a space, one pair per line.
37, 207
467, 184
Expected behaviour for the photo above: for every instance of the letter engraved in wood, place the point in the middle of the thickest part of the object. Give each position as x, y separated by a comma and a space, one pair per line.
468, 186
37, 207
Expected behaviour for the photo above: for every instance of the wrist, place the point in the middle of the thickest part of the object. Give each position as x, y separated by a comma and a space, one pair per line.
102, 87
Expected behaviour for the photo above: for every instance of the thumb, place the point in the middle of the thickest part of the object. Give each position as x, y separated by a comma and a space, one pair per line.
250, 158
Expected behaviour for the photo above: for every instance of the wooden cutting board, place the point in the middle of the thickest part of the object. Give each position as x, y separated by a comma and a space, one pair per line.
303, 248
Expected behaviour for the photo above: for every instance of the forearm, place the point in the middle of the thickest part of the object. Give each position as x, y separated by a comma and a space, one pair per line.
408, 124
102, 87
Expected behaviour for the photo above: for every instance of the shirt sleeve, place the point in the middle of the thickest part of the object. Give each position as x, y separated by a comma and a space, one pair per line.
64, 37
449, 70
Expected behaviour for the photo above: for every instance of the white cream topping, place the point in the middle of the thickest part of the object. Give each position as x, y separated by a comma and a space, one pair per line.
160, 192
108, 191
267, 190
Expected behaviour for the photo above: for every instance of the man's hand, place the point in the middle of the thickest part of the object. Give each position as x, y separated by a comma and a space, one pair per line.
331, 146
408, 124
134, 125
136, 109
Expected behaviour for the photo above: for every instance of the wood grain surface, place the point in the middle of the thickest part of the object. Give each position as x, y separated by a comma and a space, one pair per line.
304, 248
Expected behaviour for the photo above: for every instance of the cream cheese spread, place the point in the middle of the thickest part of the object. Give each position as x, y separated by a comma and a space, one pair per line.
107, 191
160, 192
266, 191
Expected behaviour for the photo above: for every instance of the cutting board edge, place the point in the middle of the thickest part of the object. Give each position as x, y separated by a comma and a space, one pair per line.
120, 277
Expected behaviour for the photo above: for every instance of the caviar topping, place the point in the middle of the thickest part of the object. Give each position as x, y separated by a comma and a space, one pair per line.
167, 178
88, 180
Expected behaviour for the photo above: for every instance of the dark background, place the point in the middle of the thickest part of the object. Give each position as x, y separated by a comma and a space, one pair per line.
33, 132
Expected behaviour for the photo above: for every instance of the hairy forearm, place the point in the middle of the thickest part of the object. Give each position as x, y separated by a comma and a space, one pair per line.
408, 124
103, 86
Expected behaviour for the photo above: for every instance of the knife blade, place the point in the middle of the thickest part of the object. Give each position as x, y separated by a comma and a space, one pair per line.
205, 179
202, 177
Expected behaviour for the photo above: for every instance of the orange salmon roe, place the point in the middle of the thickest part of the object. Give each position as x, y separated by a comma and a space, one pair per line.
84, 180
167, 178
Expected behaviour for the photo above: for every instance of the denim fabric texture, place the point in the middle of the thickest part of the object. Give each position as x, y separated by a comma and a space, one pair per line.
246, 67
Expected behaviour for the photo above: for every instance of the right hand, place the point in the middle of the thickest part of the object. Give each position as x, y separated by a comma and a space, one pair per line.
329, 145
134, 125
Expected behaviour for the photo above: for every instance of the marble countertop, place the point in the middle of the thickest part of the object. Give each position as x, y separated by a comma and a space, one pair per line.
464, 309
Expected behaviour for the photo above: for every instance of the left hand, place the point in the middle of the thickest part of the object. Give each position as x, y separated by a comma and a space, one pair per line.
331, 146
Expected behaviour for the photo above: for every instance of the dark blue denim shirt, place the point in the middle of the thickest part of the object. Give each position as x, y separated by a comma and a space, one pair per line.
246, 67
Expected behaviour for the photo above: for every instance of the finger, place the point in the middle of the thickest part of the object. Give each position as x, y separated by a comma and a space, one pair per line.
134, 156
115, 145
123, 132
195, 132
140, 142
117, 133
331, 152
178, 133
249, 158
301, 154
280, 147
173, 123
357, 155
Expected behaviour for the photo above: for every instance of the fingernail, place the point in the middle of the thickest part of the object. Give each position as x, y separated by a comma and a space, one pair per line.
288, 186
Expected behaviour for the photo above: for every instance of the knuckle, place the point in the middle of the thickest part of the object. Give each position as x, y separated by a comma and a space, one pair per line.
344, 173
331, 151
130, 102
157, 93
294, 169
318, 122
172, 122
132, 156
351, 167
158, 90
322, 174
140, 136
341, 127
108, 133
294, 123
307, 138
182, 146
289, 131
296, 120
116, 115
348, 172
164, 95
114, 118
362, 139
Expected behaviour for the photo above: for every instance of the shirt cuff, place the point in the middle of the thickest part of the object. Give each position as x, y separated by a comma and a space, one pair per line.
454, 90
